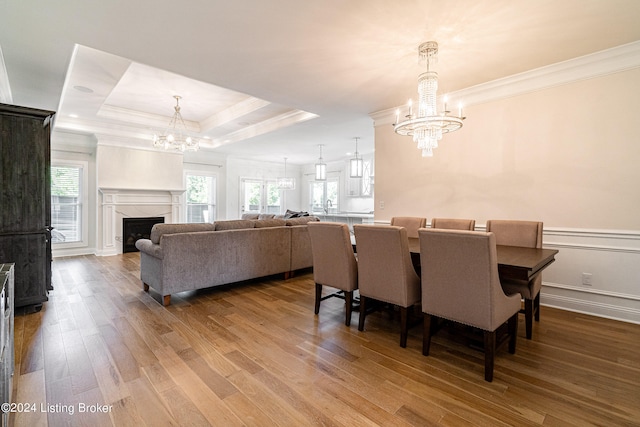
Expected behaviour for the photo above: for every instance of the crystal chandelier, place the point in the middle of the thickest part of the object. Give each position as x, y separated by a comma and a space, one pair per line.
286, 183
356, 163
175, 136
321, 168
428, 125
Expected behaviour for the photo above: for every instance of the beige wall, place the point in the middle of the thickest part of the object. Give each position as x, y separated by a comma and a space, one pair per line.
568, 155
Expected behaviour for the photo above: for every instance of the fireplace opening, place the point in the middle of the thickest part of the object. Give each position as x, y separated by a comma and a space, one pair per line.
134, 229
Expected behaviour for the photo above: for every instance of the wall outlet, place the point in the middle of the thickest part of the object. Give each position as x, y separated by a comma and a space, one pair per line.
381, 204
586, 279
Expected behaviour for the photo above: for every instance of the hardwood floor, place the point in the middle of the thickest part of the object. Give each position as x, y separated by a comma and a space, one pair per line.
103, 352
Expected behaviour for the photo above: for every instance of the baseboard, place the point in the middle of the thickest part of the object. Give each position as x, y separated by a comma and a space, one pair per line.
107, 252
610, 305
60, 253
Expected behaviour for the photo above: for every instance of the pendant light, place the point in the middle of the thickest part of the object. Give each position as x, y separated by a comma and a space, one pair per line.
321, 167
285, 182
356, 164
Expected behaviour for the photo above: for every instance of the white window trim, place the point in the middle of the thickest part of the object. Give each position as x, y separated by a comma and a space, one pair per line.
329, 179
263, 202
184, 185
84, 165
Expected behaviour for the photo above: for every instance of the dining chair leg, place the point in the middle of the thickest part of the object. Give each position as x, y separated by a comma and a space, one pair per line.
528, 317
318, 298
426, 334
536, 307
403, 326
348, 299
513, 333
489, 354
363, 312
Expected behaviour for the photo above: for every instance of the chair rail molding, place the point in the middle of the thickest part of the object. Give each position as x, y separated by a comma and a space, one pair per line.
610, 257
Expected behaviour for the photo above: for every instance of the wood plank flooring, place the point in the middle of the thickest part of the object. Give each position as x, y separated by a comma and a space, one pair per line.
102, 352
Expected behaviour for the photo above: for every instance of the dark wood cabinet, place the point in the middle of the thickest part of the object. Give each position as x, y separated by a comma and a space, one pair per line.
25, 200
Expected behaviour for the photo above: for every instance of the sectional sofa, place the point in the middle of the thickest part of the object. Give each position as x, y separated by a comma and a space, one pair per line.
183, 257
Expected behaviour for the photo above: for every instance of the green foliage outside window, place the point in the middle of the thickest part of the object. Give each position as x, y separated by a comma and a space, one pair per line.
64, 181
253, 194
197, 189
273, 195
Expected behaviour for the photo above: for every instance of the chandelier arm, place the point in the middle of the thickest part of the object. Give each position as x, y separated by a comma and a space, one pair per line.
176, 135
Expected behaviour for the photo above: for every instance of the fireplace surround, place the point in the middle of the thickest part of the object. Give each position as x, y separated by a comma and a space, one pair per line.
117, 204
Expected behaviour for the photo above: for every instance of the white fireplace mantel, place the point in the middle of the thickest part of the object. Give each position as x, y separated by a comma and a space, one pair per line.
118, 203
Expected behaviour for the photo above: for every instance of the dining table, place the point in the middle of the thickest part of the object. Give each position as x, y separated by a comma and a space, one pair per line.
514, 262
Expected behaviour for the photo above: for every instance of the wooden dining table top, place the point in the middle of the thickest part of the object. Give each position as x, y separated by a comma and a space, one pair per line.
514, 262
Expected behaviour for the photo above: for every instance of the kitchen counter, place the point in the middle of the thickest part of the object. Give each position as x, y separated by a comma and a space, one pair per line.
348, 218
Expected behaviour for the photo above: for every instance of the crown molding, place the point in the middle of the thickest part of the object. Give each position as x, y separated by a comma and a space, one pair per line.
605, 62
288, 118
234, 112
149, 120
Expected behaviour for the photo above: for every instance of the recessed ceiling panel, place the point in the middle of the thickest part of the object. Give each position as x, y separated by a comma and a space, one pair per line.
150, 90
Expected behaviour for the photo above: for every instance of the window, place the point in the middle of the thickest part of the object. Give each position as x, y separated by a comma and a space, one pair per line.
273, 197
68, 216
260, 196
201, 198
324, 196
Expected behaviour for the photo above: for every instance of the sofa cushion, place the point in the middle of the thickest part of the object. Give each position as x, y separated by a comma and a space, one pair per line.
234, 224
249, 216
159, 229
261, 223
303, 220
266, 216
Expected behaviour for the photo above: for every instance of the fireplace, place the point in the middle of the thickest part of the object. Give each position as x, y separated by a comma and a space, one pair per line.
134, 229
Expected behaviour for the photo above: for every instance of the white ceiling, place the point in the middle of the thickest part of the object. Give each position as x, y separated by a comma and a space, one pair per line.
273, 79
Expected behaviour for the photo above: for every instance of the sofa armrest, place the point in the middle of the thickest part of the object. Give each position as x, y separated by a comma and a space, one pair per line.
150, 248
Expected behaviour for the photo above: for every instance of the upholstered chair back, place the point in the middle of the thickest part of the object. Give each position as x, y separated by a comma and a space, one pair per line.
527, 234
385, 270
453, 223
460, 278
411, 223
334, 263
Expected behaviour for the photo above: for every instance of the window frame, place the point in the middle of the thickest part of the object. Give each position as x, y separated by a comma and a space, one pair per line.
325, 183
213, 194
263, 207
83, 178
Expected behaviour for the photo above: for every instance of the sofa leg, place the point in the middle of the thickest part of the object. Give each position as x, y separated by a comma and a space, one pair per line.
145, 287
166, 300
288, 275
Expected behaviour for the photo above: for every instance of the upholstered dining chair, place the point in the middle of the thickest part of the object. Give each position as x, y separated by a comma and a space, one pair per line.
334, 263
411, 223
453, 223
460, 283
527, 234
385, 272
